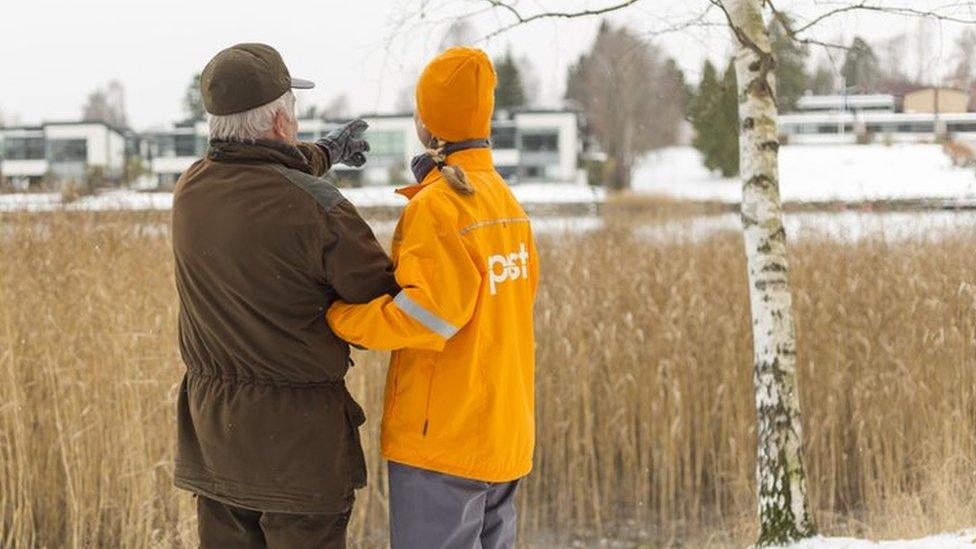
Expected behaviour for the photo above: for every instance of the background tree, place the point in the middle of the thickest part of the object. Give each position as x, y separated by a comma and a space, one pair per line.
926, 53
861, 70
824, 80
460, 33
509, 91
893, 78
106, 105
193, 100
338, 108
964, 72
791, 64
631, 96
712, 110
531, 86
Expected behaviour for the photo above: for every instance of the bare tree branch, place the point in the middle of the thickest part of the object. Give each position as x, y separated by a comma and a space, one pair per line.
795, 33
524, 19
866, 5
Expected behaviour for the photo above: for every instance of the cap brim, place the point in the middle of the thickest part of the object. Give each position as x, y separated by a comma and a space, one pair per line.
301, 84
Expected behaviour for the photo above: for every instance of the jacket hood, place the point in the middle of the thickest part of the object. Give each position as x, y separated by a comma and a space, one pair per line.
456, 95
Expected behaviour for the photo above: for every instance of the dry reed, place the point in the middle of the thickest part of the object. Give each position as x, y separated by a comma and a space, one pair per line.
645, 408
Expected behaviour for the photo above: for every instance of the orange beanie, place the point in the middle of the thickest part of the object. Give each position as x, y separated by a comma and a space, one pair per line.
456, 95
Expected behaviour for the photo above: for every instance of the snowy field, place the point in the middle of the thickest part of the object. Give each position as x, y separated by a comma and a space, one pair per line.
820, 173
809, 173
363, 197
962, 540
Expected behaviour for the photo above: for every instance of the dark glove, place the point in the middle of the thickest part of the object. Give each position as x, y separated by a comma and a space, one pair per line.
345, 144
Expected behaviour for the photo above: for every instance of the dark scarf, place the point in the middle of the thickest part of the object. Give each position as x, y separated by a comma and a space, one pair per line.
423, 164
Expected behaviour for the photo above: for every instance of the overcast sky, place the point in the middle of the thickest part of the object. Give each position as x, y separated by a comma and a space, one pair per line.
53, 53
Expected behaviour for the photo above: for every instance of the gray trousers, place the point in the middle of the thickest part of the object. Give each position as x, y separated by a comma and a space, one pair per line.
430, 510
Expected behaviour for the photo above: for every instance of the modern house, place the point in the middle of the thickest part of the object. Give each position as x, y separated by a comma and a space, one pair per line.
847, 103
922, 115
529, 146
60, 151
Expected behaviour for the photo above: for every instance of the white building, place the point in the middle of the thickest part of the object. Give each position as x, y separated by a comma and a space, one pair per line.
847, 103
61, 151
529, 146
894, 127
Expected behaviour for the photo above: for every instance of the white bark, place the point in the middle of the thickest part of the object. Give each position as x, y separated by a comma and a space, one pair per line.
783, 510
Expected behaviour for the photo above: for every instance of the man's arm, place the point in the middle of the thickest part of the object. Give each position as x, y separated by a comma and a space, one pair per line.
316, 158
355, 264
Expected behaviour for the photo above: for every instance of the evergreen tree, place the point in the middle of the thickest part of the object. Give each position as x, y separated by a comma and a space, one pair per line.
791, 66
509, 91
861, 70
714, 114
193, 100
823, 82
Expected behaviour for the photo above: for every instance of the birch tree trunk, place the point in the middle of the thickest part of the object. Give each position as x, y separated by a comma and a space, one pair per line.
783, 509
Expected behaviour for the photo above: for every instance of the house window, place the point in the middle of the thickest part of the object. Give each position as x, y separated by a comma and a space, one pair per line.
915, 127
306, 136
962, 127
386, 143
540, 141
185, 145
165, 146
503, 137
507, 172
68, 150
24, 148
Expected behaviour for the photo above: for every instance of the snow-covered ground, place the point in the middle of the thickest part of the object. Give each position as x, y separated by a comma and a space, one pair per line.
847, 226
819, 173
364, 197
808, 173
961, 540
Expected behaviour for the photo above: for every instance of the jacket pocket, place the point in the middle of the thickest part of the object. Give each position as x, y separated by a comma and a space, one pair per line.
410, 391
355, 416
430, 394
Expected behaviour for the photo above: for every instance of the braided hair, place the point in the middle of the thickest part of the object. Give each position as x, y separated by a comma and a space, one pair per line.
454, 175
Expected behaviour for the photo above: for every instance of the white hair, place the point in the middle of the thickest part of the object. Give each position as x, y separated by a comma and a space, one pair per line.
251, 124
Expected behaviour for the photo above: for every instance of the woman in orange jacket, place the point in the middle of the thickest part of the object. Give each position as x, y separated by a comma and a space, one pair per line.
458, 421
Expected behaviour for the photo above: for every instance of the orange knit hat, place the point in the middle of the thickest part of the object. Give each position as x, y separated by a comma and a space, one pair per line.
456, 95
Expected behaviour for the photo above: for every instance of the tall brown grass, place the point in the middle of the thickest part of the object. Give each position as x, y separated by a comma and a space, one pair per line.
645, 406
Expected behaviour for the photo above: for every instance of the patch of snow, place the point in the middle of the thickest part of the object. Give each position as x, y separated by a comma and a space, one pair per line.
30, 202
362, 197
961, 540
843, 226
123, 200
527, 194
819, 173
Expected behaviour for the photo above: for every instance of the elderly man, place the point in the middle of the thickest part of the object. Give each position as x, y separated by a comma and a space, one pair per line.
267, 433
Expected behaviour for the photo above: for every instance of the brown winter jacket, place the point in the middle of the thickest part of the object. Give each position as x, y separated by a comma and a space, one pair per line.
263, 246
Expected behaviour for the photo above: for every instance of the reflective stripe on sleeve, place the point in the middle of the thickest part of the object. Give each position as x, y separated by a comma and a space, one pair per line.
430, 321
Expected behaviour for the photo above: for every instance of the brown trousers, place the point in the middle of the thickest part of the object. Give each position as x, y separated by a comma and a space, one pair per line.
221, 525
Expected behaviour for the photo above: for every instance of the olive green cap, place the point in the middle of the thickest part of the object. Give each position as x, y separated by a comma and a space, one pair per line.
246, 76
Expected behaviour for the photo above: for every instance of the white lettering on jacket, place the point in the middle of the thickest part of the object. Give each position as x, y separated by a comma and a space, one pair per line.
504, 267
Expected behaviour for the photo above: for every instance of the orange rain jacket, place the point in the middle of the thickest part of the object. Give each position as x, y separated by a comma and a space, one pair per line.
459, 391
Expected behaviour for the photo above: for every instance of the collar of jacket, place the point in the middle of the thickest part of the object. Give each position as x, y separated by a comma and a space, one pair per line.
468, 159
258, 151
